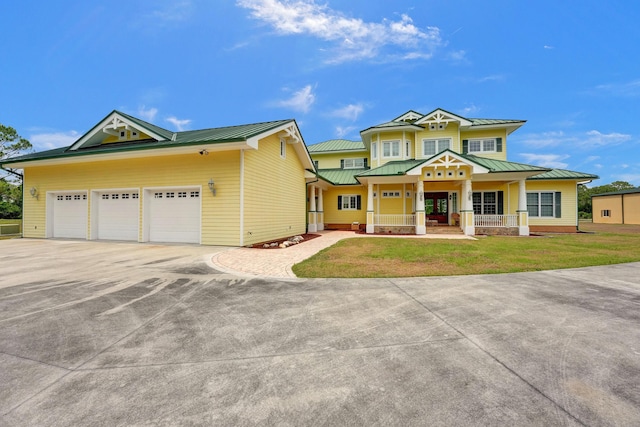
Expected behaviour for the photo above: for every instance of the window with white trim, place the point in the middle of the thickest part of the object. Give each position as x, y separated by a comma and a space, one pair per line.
391, 194
432, 147
544, 204
605, 212
482, 145
349, 202
374, 150
407, 151
390, 149
485, 203
283, 148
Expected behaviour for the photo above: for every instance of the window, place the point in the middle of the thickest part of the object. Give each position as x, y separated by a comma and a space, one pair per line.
488, 145
488, 203
157, 195
114, 197
605, 212
353, 163
431, 147
182, 194
407, 151
391, 149
134, 195
544, 204
315, 164
125, 195
283, 149
374, 150
349, 202
195, 194
170, 195
105, 197
390, 194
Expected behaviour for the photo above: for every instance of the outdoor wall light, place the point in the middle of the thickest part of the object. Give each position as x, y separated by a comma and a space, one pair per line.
34, 192
212, 186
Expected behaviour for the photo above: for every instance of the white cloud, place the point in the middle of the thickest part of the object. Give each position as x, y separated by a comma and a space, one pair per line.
587, 140
492, 78
180, 124
548, 47
349, 112
172, 11
598, 139
628, 177
50, 140
301, 100
626, 89
350, 38
546, 160
341, 131
147, 114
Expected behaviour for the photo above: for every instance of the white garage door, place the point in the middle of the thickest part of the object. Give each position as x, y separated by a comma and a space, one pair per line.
174, 215
118, 213
70, 215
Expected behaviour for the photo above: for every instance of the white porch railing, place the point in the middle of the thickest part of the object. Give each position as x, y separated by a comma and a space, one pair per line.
394, 220
495, 220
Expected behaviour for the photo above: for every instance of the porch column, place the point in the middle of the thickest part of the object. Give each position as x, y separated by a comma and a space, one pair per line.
466, 214
523, 213
421, 227
313, 215
320, 220
371, 228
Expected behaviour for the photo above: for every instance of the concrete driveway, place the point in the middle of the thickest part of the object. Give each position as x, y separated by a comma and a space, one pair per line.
107, 334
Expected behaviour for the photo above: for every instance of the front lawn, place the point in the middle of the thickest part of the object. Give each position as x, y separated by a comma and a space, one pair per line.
398, 257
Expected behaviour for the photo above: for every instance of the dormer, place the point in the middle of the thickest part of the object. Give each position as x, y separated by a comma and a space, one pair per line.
118, 127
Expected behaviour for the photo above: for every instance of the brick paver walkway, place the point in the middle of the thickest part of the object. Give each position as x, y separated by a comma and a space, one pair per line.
277, 263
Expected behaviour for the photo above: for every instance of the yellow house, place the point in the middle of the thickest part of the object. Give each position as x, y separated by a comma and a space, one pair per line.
422, 170
126, 179
619, 207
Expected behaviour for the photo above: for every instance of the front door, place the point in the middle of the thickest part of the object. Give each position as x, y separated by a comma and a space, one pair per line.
435, 207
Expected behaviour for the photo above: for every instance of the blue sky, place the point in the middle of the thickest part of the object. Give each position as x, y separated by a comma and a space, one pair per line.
570, 68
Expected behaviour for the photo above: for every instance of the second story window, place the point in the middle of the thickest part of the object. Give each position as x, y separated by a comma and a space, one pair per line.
390, 148
485, 145
374, 150
354, 163
431, 147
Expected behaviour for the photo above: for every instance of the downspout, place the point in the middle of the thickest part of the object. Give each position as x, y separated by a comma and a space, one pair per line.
241, 197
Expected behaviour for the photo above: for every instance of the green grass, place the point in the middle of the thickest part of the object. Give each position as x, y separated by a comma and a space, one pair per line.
398, 257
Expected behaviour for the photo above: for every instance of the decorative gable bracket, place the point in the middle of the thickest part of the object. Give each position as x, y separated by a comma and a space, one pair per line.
291, 135
115, 127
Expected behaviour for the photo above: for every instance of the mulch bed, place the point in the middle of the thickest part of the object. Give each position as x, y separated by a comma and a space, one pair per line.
306, 237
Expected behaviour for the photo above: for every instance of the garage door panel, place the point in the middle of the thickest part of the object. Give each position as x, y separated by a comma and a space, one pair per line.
174, 216
118, 215
70, 215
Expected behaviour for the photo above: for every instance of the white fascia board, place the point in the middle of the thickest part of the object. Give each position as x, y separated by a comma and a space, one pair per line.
510, 127
98, 129
132, 154
408, 127
475, 168
460, 119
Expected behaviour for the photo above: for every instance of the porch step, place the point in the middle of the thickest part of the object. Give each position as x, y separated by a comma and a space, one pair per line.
443, 229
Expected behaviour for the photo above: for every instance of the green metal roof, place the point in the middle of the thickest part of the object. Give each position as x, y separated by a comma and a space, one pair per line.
617, 193
484, 122
209, 136
502, 165
340, 176
397, 167
336, 145
563, 174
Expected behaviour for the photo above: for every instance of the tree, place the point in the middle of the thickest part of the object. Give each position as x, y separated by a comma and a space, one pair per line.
11, 144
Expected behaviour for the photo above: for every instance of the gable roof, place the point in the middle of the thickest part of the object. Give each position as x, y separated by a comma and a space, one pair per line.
164, 142
412, 120
334, 145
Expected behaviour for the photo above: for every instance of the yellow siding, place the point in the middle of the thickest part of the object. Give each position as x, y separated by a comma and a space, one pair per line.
332, 215
274, 193
219, 227
492, 133
569, 202
612, 203
631, 208
332, 160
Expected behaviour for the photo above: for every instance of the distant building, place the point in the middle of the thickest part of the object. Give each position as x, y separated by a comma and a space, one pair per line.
618, 207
